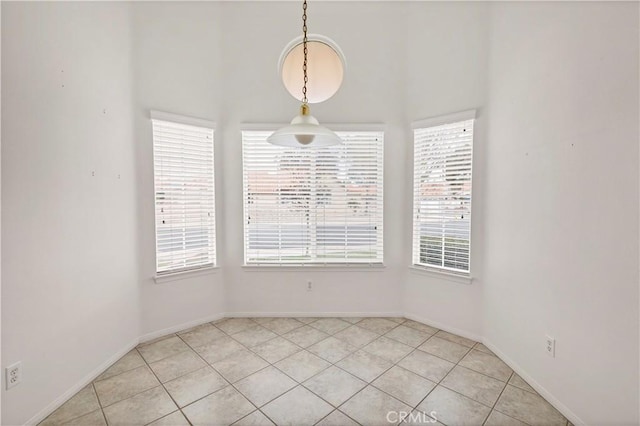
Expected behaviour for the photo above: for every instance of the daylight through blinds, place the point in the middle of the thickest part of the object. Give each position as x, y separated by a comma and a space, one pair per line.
184, 196
442, 196
313, 206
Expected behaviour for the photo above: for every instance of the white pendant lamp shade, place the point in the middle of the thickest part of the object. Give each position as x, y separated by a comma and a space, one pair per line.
304, 132
325, 68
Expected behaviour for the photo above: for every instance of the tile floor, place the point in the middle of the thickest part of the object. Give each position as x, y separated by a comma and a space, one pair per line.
308, 371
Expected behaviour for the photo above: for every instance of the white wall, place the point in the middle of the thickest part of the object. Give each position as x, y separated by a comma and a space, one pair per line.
561, 201
69, 303
177, 69
447, 47
69, 265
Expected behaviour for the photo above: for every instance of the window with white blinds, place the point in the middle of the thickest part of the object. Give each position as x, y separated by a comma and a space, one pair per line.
442, 195
184, 196
313, 206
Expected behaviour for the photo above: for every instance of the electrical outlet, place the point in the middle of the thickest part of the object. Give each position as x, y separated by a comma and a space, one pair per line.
309, 287
13, 375
550, 346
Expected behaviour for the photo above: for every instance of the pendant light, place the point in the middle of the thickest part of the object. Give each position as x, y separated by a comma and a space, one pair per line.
304, 130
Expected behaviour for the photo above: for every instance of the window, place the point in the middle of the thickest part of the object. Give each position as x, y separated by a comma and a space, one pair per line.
305, 206
442, 193
184, 193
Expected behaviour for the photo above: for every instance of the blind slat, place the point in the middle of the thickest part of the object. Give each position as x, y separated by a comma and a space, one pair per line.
313, 206
184, 196
442, 196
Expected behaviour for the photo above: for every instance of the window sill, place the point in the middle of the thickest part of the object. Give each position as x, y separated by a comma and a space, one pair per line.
183, 275
445, 275
365, 267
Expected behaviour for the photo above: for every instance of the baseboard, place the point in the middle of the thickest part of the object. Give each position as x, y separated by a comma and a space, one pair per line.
551, 399
312, 314
179, 327
435, 324
45, 412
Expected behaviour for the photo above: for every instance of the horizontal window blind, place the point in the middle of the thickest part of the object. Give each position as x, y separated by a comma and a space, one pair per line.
304, 206
184, 196
442, 196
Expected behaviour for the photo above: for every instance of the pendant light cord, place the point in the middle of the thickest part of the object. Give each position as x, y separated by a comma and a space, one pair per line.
304, 48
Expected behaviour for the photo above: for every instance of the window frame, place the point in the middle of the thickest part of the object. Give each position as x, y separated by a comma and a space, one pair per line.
183, 273
317, 266
450, 274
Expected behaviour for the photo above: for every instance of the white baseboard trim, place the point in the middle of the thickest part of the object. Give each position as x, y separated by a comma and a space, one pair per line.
312, 314
551, 399
177, 328
435, 324
46, 411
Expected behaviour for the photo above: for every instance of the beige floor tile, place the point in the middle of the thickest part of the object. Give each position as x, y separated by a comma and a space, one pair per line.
174, 419
283, 325
397, 320
298, 407
426, 365
330, 325
371, 407
253, 336
356, 336
456, 339
332, 349
404, 385
162, 349
420, 418
408, 336
263, 320
177, 365
254, 419
307, 320
95, 418
265, 385
84, 402
140, 409
201, 335
305, 336
337, 418
193, 386
519, 382
487, 364
444, 349
276, 349
451, 408
528, 407
482, 348
378, 325
219, 349
240, 365
388, 349
364, 365
125, 385
496, 418
234, 325
128, 362
352, 320
334, 385
420, 326
302, 365
476, 386
223, 407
